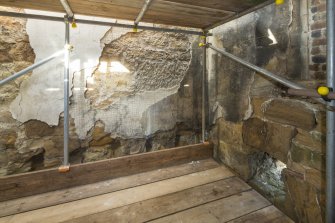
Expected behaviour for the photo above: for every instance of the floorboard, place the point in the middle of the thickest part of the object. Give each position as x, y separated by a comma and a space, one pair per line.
196, 192
161, 206
219, 211
266, 215
76, 209
77, 193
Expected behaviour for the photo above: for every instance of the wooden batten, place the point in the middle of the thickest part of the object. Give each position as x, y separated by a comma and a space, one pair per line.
27, 184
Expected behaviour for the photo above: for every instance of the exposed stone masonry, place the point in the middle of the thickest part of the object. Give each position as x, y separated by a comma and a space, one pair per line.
275, 142
149, 102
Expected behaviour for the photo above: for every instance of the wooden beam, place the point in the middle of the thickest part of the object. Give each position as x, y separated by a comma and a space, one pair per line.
27, 184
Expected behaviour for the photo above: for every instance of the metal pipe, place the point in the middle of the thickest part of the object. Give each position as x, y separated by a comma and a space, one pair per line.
66, 94
309, 93
67, 8
330, 155
143, 11
203, 107
100, 23
30, 68
269, 74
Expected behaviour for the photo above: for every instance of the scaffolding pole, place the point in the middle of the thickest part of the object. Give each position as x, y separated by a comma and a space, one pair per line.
67, 8
203, 106
66, 164
30, 68
330, 156
143, 11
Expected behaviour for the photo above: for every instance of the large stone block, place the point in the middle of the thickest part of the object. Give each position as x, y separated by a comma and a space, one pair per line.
234, 157
275, 139
290, 112
314, 140
254, 133
230, 132
304, 155
307, 200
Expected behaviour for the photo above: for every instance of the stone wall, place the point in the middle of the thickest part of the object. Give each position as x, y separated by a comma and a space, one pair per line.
130, 93
274, 141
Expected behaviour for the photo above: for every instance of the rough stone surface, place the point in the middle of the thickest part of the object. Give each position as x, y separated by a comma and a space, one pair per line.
113, 113
290, 112
314, 140
267, 178
235, 157
304, 155
308, 202
129, 102
272, 138
277, 39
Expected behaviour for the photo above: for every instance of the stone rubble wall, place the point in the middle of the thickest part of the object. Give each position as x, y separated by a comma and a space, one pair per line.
274, 141
113, 113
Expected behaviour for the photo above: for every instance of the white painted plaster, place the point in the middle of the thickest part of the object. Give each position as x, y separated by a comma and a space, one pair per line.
41, 95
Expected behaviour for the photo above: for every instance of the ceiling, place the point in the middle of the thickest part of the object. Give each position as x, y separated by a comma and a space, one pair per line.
188, 13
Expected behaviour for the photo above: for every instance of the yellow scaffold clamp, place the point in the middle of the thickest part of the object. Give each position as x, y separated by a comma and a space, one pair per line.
280, 2
135, 30
203, 40
74, 25
323, 91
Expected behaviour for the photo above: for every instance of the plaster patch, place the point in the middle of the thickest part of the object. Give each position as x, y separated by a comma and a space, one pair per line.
41, 96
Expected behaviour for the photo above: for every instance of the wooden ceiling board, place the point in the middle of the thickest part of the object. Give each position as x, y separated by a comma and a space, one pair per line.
228, 5
187, 13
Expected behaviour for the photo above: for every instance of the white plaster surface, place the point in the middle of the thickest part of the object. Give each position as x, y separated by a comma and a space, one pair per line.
41, 96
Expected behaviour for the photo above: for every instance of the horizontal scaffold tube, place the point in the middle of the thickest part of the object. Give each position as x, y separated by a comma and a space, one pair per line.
100, 23
30, 68
269, 74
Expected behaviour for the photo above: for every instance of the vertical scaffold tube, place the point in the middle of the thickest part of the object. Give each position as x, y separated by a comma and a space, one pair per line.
66, 93
330, 157
203, 110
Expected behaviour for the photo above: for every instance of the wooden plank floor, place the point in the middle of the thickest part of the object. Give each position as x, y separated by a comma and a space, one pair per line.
198, 191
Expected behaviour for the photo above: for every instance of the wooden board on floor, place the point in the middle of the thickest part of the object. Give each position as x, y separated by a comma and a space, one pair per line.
161, 206
219, 211
266, 215
27, 184
88, 206
76, 193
